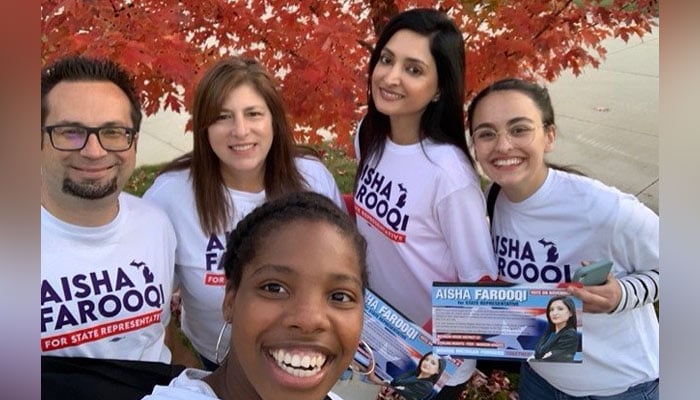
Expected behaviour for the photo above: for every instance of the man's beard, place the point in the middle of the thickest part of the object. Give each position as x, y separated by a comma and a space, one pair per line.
89, 191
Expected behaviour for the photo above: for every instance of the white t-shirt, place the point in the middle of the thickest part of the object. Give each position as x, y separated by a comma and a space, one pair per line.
198, 273
544, 239
105, 291
186, 386
423, 214
190, 386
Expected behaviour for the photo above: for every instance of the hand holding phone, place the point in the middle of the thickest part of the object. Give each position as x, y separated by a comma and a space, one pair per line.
593, 274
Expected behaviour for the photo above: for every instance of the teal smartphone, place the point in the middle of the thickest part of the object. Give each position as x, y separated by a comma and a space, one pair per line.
593, 274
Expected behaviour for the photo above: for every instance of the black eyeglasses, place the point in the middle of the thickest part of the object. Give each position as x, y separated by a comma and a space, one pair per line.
74, 137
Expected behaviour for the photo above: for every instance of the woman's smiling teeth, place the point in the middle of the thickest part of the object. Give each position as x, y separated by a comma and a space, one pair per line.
390, 95
506, 162
299, 365
241, 147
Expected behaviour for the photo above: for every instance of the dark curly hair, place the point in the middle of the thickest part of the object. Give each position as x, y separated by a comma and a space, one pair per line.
250, 232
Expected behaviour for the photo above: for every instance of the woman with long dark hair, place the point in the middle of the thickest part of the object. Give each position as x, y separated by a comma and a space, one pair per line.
559, 342
418, 199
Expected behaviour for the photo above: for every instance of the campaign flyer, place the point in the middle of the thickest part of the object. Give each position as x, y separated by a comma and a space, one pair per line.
398, 346
508, 322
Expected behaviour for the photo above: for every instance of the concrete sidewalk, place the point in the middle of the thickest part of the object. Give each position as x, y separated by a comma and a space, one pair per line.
607, 117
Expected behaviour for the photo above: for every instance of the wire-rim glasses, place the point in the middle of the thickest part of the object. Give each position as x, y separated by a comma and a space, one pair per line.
518, 135
75, 137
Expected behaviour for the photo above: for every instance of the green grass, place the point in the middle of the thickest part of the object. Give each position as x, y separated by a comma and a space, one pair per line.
142, 178
340, 164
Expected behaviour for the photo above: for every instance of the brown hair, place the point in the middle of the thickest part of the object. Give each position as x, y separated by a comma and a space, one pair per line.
281, 174
538, 94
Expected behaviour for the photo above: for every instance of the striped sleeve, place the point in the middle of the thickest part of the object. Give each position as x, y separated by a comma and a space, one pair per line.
638, 289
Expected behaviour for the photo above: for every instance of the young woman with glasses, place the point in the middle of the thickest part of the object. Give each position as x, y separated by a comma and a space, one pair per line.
546, 223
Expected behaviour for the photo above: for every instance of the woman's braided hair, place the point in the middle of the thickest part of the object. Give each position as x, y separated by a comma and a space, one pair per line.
247, 238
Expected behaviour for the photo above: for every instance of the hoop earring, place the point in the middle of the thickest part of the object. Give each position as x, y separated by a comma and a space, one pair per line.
372, 361
218, 344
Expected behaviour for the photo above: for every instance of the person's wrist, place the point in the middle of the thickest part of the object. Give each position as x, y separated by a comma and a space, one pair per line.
623, 294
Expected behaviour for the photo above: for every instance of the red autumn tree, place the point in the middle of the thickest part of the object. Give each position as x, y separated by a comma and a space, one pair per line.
319, 49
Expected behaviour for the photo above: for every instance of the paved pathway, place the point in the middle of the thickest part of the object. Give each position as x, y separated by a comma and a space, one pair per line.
609, 118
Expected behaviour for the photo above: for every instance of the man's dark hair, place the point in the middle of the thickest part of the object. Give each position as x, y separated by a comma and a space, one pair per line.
84, 69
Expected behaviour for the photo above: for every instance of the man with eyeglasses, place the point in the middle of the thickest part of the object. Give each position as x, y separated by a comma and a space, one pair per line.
107, 257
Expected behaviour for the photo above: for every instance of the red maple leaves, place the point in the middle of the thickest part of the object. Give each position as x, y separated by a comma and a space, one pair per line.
318, 49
